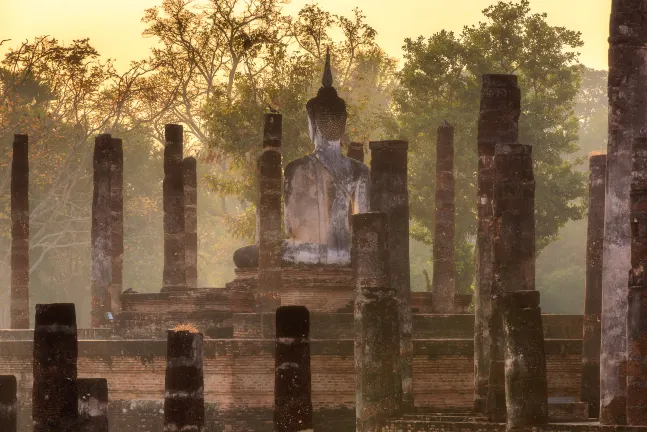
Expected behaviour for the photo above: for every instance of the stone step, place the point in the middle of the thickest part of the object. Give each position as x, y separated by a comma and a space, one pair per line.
560, 412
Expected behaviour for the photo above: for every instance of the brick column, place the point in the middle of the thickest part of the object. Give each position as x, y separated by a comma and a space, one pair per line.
590, 388
292, 389
8, 401
513, 252
498, 117
101, 234
526, 387
174, 278
184, 383
627, 115
269, 216
93, 404
376, 325
116, 223
189, 170
20, 233
444, 278
356, 151
390, 195
55, 396
637, 298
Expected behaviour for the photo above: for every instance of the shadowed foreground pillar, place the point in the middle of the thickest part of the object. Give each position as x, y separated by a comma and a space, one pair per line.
526, 387
8, 400
101, 234
54, 394
497, 124
189, 167
444, 278
390, 195
292, 388
184, 384
93, 404
590, 386
20, 233
116, 223
269, 216
174, 277
627, 115
376, 325
637, 295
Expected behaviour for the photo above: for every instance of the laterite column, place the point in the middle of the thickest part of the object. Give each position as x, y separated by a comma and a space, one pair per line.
8, 401
189, 167
93, 404
20, 233
117, 223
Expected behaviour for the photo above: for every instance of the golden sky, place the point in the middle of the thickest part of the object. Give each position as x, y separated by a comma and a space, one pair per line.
114, 27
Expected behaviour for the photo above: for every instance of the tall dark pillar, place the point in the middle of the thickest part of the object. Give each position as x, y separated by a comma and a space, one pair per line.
20, 233
269, 216
292, 389
377, 346
101, 233
55, 396
8, 401
497, 124
93, 404
116, 223
444, 278
590, 387
184, 384
513, 253
390, 195
627, 115
356, 151
174, 278
189, 168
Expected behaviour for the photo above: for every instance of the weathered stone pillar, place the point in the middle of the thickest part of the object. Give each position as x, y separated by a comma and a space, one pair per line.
444, 278
590, 387
498, 117
93, 404
377, 345
269, 216
513, 252
637, 298
55, 396
117, 223
627, 115
292, 389
8, 401
101, 233
184, 384
390, 195
20, 233
174, 277
189, 169
356, 151
526, 387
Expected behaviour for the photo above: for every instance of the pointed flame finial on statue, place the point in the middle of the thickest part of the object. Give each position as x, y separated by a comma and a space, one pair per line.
326, 79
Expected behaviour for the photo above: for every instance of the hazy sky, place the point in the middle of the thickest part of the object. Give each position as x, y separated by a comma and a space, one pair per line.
114, 27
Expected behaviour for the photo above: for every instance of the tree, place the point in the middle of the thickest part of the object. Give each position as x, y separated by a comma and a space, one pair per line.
441, 80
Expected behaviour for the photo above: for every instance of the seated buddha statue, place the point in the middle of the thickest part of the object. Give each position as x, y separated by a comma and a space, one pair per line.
321, 189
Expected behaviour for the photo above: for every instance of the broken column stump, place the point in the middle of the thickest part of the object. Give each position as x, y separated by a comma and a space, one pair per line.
20, 233
444, 278
189, 169
627, 115
356, 151
526, 387
390, 194
8, 401
497, 124
513, 253
269, 216
101, 233
174, 277
116, 224
590, 386
184, 383
637, 294
292, 387
54, 395
93, 404
377, 345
